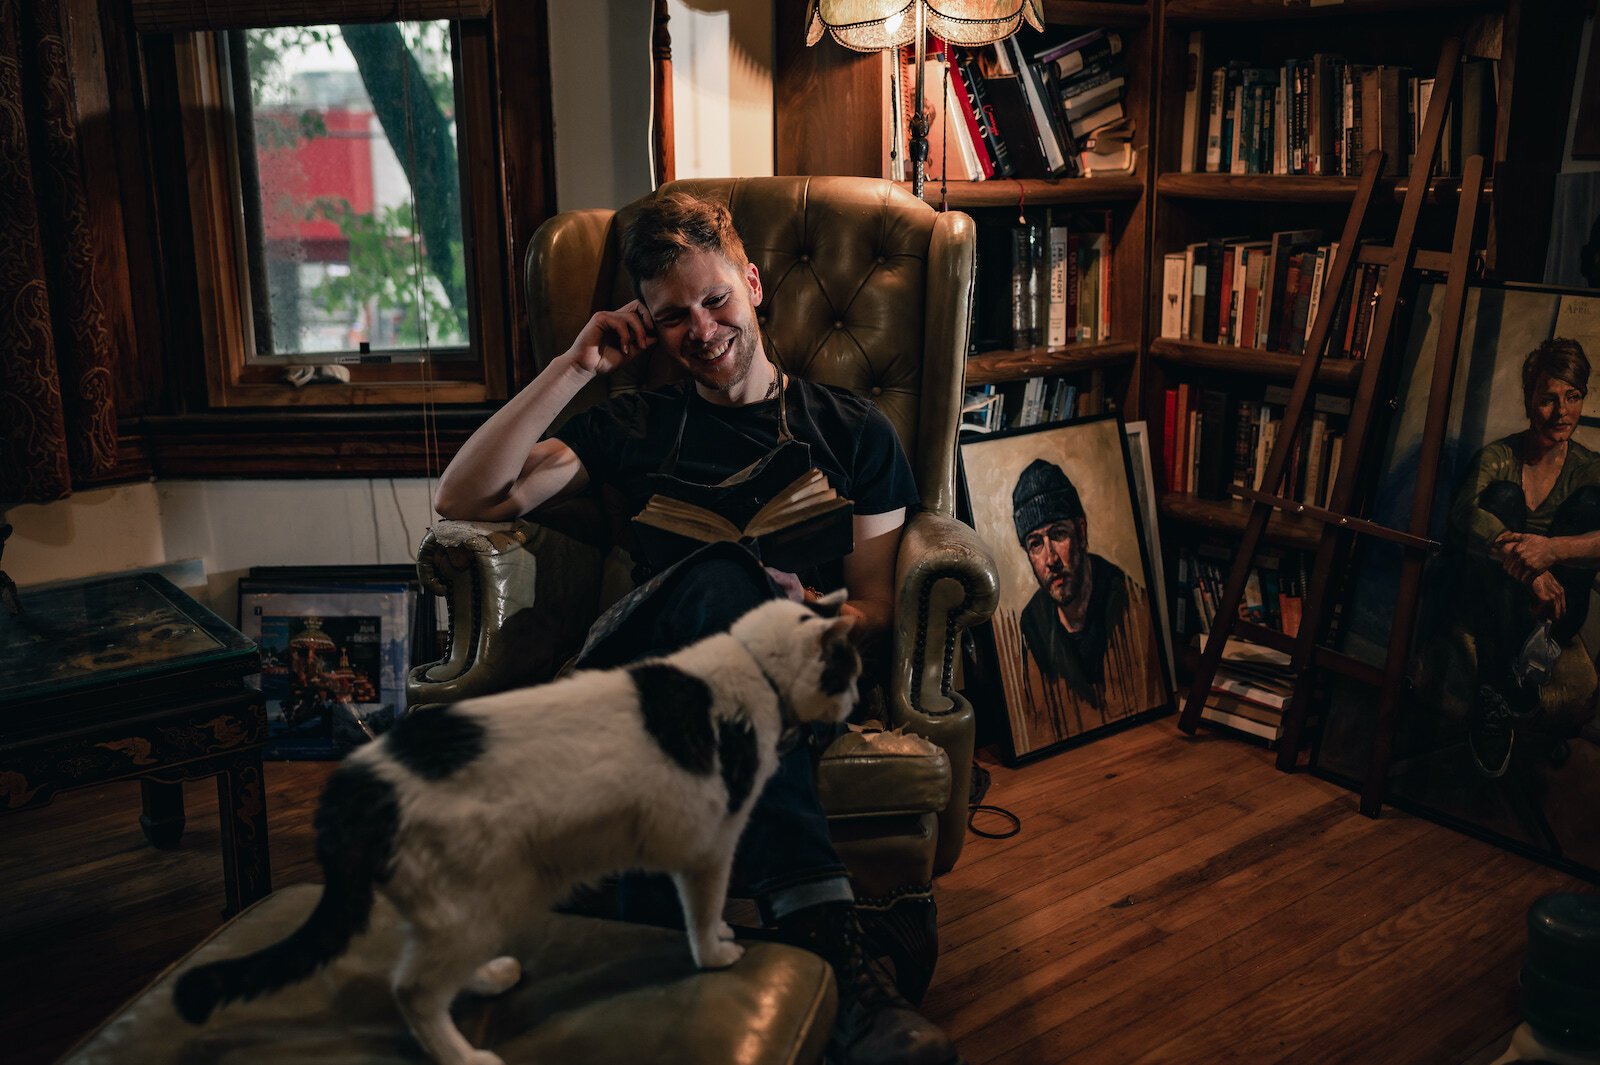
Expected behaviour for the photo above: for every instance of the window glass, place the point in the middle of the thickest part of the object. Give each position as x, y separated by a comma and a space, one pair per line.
350, 190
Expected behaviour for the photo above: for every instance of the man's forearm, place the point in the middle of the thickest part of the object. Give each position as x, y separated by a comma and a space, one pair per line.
480, 481
1580, 550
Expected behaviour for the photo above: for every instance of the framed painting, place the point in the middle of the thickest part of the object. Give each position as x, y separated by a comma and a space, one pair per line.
1498, 727
335, 651
1076, 642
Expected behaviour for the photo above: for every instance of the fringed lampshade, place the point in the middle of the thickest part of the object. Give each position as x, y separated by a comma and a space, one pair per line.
872, 25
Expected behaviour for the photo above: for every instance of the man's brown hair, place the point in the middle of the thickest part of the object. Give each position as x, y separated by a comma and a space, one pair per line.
1559, 357
675, 223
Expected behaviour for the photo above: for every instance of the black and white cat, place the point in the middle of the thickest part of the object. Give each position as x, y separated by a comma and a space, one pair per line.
469, 818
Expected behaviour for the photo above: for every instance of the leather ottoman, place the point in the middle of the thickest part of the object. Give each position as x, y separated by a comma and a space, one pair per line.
592, 991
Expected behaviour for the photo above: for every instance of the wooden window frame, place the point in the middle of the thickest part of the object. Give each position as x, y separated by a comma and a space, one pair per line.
221, 283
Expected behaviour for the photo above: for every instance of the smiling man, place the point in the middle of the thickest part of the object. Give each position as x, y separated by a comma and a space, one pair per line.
1087, 608
697, 296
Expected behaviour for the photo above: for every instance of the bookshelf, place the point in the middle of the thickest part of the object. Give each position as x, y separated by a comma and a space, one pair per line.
1163, 206
812, 86
1531, 46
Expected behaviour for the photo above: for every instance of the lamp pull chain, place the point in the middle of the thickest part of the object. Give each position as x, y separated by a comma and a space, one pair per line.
944, 149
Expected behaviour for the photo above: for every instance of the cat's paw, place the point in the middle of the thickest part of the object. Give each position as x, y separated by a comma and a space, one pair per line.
719, 955
494, 977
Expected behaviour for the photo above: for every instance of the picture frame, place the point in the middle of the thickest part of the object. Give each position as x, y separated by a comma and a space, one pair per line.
1070, 658
1144, 483
337, 643
1521, 773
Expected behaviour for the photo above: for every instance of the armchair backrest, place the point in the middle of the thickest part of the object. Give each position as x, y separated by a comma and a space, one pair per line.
864, 286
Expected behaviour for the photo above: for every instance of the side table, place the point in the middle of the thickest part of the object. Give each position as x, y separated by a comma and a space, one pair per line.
120, 677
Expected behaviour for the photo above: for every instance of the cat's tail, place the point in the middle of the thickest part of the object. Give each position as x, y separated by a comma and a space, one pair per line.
356, 824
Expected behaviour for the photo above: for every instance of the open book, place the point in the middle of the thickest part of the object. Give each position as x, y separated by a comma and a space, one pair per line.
803, 524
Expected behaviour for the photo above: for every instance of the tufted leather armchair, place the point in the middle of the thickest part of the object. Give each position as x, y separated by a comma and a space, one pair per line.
865, 287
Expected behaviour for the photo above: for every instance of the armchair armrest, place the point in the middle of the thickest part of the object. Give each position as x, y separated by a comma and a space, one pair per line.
520, 598
945, 581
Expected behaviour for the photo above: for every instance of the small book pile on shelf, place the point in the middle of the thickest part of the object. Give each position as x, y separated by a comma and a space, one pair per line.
1215, 439
1045, 283
1274, 593
1251, 690
1265, 294
1321, 115
1035, 401
999, 111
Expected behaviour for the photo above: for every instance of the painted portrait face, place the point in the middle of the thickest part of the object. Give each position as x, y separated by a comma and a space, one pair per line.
1553, 409
1057, 551
705, 319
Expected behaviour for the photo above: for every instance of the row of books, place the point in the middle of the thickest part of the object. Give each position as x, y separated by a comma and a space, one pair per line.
1214, 440
1274, 592
1044, 283
1265, 294
1322, 115
1034, 401
998, 111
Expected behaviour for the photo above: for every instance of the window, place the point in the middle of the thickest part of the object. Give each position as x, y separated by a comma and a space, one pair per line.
344, 212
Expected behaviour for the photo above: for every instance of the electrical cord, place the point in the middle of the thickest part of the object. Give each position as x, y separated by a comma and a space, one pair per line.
976, 805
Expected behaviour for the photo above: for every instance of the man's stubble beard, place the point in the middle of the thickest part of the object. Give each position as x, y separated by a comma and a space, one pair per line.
744, 357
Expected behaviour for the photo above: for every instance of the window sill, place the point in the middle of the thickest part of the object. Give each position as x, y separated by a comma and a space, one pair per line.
295, 443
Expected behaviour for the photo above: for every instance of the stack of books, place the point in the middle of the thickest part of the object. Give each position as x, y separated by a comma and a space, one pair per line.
999, 111
1251, 690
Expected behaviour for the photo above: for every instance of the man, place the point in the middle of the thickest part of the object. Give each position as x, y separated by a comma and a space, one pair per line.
697, 293
1087, 610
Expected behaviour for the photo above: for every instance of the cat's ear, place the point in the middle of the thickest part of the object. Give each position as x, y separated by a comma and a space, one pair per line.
838, 630
828, 605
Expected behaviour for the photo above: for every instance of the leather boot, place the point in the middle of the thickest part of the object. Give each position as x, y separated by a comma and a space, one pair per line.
875, 1025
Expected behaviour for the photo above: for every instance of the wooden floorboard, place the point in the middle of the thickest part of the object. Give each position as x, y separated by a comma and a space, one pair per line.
1168, 900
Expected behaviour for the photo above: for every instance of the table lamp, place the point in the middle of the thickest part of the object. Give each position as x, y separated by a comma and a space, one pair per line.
871, 25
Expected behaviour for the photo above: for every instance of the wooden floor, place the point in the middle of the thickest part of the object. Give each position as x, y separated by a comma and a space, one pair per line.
1168, 900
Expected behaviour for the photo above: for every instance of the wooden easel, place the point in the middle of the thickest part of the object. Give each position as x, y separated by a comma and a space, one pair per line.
1337, 523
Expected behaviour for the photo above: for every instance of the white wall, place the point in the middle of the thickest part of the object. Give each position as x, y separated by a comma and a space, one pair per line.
226, 526
722, 61
600, 73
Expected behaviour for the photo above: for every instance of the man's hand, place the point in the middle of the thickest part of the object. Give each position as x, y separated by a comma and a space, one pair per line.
1524, 555
1550, 599
611, 339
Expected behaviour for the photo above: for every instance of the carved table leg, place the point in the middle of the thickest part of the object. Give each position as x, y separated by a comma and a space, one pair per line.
242, 807
162, 819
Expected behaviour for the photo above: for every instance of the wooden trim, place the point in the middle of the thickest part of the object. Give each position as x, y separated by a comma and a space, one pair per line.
1296, 188
1103, 13
1335, 373
665, 148
993, 367
1230, 516
183, 16
1006, 192
1278, 10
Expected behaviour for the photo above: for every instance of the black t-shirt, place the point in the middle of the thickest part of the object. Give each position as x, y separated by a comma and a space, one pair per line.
623, 440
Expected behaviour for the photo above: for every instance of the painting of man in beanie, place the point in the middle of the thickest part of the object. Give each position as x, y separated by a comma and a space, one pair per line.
1075, 633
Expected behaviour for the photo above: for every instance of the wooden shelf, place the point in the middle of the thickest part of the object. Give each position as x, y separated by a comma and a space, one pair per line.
1277, 10
1298, 188
1333, 373
1005, 192
1230, 515
994, 367
1101, 13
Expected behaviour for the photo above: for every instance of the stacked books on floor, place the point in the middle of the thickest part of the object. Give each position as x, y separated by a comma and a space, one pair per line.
1265, 294
1215, 439
1251, 690
1001, 111
1323, 114
1043, 283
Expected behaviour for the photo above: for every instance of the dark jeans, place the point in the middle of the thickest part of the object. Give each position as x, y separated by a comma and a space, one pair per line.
1579, 513
786, 842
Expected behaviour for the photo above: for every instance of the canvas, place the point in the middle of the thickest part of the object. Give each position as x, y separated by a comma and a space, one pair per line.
1494, 733
1076, 644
